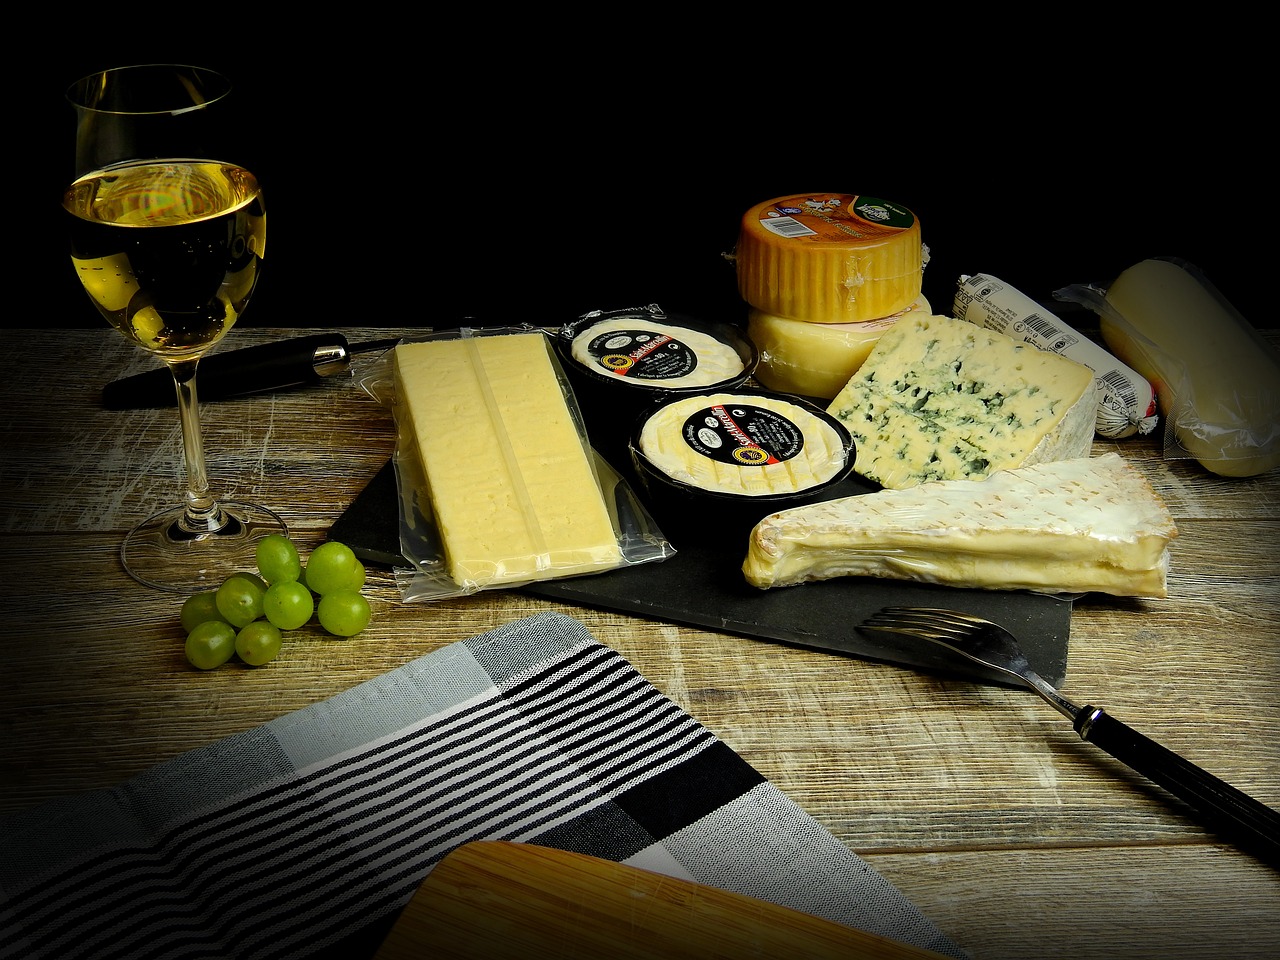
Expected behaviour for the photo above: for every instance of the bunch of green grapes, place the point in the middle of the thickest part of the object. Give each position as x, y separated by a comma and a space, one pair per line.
249, 613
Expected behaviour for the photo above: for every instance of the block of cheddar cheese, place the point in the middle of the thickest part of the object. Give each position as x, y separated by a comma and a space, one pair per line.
941, 399
1073, 526
510, 483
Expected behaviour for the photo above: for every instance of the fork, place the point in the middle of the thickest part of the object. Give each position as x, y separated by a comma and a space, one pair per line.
1225, 809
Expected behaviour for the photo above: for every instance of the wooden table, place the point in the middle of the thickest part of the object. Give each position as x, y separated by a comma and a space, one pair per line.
977, 801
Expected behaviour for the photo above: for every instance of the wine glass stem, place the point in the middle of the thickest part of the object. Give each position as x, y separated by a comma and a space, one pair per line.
202, 513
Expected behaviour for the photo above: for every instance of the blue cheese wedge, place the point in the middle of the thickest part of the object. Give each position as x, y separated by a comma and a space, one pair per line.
941, 399
1070, 526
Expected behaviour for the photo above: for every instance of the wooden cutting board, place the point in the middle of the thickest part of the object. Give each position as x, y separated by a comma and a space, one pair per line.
490, 899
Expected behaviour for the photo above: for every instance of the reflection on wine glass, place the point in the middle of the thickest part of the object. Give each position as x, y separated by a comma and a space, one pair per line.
167, 238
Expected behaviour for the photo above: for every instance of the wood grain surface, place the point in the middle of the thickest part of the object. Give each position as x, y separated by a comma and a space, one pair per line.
977, 801
491, 899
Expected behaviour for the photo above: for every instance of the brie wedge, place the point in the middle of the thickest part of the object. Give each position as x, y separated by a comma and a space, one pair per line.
1069, 526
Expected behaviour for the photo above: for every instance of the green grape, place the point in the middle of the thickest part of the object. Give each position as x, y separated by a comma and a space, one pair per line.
252, 578
288, 604
198, 608
278, 558
239, 598
343, 613
258, 642
357, 578
332, 566
210, 644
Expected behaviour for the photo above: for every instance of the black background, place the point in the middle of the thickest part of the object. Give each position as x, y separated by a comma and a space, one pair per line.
421, 174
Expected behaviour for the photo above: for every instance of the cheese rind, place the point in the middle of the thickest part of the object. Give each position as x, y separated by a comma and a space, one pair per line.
942, 399
829, 257
513, 492
1070, 526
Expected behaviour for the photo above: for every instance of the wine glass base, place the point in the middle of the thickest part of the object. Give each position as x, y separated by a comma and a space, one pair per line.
160, 553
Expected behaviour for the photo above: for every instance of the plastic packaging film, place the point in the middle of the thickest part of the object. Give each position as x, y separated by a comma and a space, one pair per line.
1127, 401
476, 442
1217, 379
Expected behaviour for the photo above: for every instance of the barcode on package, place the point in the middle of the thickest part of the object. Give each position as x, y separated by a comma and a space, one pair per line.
1040, 325
1120, 385
787, 227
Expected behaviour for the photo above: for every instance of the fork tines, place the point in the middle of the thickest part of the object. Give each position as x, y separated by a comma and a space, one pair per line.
923, 620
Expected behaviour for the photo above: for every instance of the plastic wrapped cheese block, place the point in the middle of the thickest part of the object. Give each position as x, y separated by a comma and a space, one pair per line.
829, 257
509, 482
1070, 526
1217, 379
942, 399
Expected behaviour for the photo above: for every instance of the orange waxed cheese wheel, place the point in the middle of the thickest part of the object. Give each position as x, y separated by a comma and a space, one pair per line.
829, 257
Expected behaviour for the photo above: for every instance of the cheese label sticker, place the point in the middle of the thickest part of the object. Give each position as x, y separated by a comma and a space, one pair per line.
742, 435
642, 355
836, 217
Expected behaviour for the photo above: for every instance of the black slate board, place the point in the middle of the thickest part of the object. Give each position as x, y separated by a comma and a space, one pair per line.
702, 586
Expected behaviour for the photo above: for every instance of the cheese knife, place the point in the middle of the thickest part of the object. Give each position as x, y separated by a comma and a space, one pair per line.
264, 368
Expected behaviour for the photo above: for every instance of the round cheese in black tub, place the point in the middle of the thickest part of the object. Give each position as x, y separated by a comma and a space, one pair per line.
620, 361
720, 461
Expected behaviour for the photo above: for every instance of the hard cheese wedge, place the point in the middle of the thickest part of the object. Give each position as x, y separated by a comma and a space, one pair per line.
941, 399
1070, 526
514, 495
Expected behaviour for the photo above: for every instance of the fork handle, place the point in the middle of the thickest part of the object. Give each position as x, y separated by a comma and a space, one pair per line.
1226, 810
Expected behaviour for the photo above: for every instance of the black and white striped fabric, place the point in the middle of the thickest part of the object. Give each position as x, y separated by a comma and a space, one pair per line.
306, 836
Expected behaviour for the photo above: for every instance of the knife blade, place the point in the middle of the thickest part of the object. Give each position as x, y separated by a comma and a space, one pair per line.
264, 368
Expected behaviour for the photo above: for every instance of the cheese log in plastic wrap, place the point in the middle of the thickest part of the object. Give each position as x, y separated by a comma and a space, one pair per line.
1071, 526
514, 496
1218, 381
942, 399
815, 359
1127, 401
829, 257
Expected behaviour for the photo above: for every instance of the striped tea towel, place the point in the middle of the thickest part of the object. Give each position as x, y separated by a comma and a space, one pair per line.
306, 836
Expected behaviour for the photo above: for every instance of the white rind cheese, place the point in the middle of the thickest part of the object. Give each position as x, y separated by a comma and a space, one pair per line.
514, 495
655, 354
942, 399
743, 444
1071, 526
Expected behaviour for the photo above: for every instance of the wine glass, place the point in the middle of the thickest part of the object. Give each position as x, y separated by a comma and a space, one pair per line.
167, 238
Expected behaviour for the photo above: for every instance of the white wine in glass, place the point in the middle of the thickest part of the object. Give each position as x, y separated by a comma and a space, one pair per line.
167, 239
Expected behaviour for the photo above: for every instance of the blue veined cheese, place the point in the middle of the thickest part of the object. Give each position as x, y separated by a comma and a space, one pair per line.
1070, 526
942, 399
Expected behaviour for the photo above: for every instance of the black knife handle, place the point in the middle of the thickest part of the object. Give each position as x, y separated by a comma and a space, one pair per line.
1226, 810
237, 373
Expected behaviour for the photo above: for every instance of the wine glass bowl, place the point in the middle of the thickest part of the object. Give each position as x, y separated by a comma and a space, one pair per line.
168, 250
167, 238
